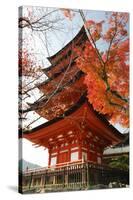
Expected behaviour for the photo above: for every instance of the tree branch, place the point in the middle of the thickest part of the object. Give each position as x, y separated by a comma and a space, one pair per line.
92, 40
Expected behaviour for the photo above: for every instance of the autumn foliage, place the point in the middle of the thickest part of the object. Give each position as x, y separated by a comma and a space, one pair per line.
106, 68
27, 64
107, 73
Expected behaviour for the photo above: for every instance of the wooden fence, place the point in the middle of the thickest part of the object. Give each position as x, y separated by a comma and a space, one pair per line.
77, 176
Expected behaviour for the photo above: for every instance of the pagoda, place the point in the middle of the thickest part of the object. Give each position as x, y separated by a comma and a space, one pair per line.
74, 131
75, 134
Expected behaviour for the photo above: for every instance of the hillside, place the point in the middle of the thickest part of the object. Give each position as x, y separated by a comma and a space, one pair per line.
23, 164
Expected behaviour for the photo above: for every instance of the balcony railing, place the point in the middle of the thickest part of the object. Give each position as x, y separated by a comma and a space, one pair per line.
71, 176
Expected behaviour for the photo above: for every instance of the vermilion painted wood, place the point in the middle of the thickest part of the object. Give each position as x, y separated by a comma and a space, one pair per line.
82, 130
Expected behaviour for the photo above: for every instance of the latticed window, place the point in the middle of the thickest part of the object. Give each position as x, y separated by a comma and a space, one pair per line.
53, 160
74, 156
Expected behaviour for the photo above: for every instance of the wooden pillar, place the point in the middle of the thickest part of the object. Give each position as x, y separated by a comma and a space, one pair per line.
42, 181
89, 150
87, 174
49, 159
69, 152
80, 176
84, 183
54, 180
80, 149
95, 152
58, 154
83, 175
66, 179
32, 182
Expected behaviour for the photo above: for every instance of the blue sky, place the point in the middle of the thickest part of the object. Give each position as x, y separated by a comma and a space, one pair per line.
56, 39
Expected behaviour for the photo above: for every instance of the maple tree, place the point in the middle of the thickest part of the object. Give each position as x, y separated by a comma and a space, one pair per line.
27, 63
29, 71
33, 22
107, 73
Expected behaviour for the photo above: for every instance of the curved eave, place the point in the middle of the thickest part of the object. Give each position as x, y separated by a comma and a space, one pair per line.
111, 131
82, 30
106, 123
71, 81
55, 75
66, 113
76, 36
125, 142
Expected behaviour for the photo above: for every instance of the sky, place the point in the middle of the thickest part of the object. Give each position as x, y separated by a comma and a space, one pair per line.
55, 41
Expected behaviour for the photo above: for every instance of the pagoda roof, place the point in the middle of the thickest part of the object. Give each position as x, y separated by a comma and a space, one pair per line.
49, 86
35, 105
123, 143
96, 122
55, 75
51, 58
68, 112
74, 106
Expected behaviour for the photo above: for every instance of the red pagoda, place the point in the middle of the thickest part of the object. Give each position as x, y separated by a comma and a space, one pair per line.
74, 130
74, 133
